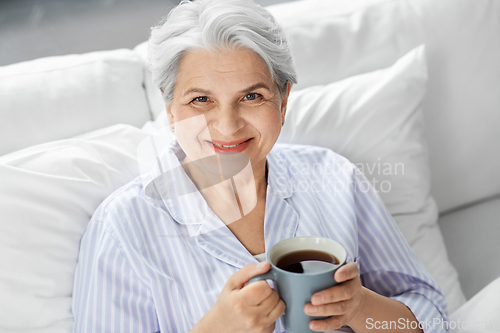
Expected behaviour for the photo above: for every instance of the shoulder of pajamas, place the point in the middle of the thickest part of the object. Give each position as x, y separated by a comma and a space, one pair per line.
150, 264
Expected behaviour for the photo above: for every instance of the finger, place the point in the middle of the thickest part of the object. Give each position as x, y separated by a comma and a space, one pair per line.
337, 293
256, 293
238, 279
273, 300
331, 309
327, 324
267, 306
277, 311
347, 272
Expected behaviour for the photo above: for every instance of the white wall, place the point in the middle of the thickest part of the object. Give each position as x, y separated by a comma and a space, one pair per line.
31, 29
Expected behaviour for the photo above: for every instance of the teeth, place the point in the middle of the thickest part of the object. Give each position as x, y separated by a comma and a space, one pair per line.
224, 146
218, 145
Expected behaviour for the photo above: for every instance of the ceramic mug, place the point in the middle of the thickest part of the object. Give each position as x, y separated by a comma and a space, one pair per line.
296, 289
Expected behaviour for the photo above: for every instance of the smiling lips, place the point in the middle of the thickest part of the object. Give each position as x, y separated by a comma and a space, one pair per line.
229, 147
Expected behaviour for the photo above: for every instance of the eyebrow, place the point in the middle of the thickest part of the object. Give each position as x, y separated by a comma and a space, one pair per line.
206, 92
256, 86
197, 90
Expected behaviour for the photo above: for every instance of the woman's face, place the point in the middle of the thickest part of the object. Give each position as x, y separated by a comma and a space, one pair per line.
226, 103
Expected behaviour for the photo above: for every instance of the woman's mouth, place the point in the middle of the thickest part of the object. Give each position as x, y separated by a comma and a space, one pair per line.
229, 147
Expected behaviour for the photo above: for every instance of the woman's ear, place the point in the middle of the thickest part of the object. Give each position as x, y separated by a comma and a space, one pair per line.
170, 116
284, 100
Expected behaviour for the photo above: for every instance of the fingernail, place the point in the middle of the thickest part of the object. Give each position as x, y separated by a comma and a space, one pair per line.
261, 264
314, 326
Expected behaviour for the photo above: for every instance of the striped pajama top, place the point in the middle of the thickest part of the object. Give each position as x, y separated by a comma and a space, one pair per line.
158, 265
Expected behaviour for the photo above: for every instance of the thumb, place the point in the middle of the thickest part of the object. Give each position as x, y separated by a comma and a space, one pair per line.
241, 277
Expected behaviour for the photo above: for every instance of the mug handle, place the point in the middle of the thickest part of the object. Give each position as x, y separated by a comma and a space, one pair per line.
265, 276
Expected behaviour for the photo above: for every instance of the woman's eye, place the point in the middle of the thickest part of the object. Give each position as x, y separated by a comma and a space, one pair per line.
201, 99
252, 96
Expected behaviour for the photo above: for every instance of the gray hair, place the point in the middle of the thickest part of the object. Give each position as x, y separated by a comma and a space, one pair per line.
217, 25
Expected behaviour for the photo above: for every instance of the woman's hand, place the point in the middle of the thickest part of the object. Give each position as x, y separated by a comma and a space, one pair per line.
244, 308
343, 301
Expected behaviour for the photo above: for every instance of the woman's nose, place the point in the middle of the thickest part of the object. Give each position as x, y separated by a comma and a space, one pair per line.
228, 121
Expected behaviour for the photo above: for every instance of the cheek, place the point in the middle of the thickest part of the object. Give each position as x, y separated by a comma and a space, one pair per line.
180, 113
190, 132
187, 120
269, 128
188, 123
271, 121
269, 116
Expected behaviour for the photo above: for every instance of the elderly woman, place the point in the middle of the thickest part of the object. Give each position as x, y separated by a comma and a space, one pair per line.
176, 255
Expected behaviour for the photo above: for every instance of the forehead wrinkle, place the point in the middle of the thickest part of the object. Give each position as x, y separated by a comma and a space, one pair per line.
208, 73
243, 80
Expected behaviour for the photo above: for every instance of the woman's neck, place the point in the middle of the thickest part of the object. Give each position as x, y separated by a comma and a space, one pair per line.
230, 198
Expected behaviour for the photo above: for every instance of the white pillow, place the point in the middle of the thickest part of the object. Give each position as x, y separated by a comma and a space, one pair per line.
376, 121
156, 103
480, 313
47, 195
333, 40
59, 97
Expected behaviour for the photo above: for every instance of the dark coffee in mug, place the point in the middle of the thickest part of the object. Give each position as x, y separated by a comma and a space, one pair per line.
307, 261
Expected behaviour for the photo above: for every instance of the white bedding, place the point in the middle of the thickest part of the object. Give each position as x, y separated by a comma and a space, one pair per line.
481, 313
